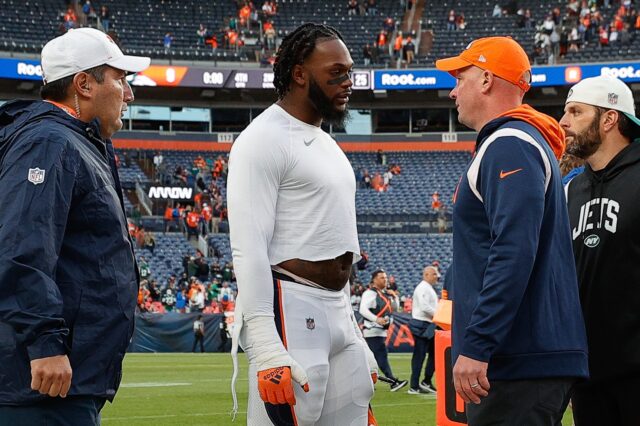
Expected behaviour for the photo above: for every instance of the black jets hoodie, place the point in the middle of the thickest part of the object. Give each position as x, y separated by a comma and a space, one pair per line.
604, 211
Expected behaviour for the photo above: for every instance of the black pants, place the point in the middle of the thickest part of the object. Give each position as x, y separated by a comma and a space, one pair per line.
422, 346
379, 349
69, 411
607, 402
539, 402
198, 338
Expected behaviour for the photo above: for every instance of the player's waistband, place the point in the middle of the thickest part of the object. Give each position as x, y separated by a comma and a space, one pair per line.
304, 285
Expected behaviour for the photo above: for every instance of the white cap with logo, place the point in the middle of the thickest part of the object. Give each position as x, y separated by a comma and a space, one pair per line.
605, 92
82, 49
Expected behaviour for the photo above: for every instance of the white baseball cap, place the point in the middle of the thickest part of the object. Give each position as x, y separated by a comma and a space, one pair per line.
605, 92
82, 49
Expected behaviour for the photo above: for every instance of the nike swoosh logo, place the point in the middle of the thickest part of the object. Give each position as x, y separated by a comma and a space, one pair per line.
307, 143
504, 174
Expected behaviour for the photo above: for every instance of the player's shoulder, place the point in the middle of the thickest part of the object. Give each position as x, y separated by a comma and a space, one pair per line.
268, 128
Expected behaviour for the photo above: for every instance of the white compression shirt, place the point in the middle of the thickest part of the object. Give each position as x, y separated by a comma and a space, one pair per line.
291, 194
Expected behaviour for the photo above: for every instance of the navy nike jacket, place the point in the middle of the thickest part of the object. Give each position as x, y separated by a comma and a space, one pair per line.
514, 286
68, 278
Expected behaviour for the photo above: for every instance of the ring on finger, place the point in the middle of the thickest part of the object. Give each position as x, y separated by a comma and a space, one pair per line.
475, 385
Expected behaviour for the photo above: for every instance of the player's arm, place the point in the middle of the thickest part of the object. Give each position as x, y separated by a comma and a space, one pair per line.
367, 302
256, 168
32, 226
512, 182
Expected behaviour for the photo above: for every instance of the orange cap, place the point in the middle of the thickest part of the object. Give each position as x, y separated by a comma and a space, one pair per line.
503, 56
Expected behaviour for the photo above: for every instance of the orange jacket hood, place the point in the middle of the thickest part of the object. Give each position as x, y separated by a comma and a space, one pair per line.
546, 125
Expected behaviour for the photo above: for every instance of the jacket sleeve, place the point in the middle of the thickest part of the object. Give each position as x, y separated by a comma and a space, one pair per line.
32, 226
512, 183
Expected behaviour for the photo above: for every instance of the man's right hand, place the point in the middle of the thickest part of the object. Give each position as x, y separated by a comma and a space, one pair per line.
51, 376
275, 386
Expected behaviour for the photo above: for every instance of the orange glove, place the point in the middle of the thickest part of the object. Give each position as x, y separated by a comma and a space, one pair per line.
371, 421
275, 386
374, 377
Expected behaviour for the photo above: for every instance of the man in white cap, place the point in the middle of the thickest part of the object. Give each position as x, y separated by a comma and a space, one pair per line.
601, 127
68, 277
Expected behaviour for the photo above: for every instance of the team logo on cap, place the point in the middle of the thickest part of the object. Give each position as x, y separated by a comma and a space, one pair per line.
612, 99
36, 176
570, 93
481, 58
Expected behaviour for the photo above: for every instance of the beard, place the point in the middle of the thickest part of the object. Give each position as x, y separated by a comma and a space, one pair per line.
586, 143
325, 106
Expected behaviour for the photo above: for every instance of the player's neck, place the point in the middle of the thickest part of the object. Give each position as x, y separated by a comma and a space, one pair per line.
300, 109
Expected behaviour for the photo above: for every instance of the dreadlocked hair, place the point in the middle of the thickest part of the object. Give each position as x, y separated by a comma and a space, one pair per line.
295, 48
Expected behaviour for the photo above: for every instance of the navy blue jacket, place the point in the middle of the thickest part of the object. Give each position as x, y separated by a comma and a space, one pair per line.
68, 277
514, 286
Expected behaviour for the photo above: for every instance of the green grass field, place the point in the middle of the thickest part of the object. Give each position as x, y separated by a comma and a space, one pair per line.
193, 389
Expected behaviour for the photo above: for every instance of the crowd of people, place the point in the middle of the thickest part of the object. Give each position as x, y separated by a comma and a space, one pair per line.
581, 24
201, 288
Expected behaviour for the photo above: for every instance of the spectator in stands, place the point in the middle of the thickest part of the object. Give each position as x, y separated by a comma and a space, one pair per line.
149, 242
603, 34
143, 268
377, 183
267, 10
70, 18
397, 46
362, 8
364, 260
225, 296
388, 25
245, 15
386, 178
366, 54
377, 307
381, 42
193, 220
169, 297
352, 7
461, 23
442, 219
392, 287
366, 179
436, 204
497, 11
198, 334
201, 32
166, 41
105, 18
424, 304
270, 37
574, 39
196, 301
451, 20
89, 13
372, 8
500, 298
409, 50
381, 157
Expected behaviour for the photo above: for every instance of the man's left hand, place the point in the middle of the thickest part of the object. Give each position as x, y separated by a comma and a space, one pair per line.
470, 379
